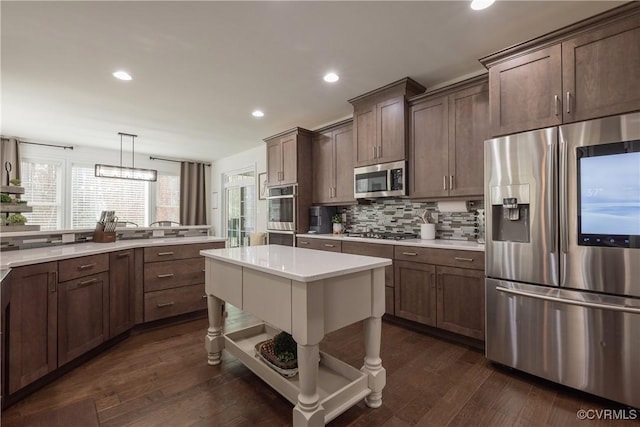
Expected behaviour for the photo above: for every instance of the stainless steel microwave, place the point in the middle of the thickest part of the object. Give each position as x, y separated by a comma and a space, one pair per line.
383, 180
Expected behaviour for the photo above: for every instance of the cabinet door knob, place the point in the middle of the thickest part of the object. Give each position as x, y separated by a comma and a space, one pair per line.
87, 282
166, 304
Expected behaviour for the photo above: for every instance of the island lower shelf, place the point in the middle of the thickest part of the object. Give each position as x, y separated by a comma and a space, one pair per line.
339, 385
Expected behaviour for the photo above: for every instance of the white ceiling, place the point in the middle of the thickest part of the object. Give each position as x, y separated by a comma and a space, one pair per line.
200, 68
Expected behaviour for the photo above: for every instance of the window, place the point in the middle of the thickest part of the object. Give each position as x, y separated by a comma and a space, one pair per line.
90, 195
240, 195
42, 190
168, 198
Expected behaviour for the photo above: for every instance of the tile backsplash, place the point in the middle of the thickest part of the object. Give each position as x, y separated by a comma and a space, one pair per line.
402, 216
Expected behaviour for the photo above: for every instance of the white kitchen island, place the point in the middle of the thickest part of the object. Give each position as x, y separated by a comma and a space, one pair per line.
307, 293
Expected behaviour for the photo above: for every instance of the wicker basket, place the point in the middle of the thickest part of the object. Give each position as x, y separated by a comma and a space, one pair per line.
265, 351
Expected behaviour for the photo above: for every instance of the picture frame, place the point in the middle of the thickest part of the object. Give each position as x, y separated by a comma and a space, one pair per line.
262, 186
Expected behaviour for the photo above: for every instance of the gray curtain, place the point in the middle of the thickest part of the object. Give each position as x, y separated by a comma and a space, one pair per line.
193, 194
11, 154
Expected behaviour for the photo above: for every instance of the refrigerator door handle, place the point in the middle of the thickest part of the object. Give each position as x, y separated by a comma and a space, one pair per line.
564, 223
620, 308
552, 198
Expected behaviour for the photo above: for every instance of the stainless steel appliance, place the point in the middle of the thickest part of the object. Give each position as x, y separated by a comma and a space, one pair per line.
320, 219
281, 207
383, 180
563, 255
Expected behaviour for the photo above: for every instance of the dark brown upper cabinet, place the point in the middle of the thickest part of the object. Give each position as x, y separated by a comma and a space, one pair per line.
288, 154
332, 155
448, 128
379, 123
585, 71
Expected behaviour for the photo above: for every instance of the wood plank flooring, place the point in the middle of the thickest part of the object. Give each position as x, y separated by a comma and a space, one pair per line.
161, 378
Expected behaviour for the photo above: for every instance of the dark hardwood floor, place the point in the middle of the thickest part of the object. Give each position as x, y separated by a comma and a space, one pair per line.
161, 377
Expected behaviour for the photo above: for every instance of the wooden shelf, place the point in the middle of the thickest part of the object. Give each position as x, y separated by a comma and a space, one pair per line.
15, 207
18, 228
339, 386
11, 189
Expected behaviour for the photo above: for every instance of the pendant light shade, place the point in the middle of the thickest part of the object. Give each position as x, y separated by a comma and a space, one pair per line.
122, 172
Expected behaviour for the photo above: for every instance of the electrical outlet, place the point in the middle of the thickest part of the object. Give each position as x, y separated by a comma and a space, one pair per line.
68, 238
158, 233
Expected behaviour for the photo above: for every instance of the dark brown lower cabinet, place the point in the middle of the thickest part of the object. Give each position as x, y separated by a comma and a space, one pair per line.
83, 321
32, 315
460, 296
415, 291
121, 292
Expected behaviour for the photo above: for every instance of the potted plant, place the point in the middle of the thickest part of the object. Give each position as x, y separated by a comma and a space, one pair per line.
16, 219
337, 223
281, 353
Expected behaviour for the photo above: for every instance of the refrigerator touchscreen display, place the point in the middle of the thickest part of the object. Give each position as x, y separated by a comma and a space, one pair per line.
609, 195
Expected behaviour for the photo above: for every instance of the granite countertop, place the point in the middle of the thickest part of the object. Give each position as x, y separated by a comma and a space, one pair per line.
10, 259
300, 264
463, 245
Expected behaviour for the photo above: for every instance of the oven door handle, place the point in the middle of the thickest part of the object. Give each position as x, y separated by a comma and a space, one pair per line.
620, 308
288, 196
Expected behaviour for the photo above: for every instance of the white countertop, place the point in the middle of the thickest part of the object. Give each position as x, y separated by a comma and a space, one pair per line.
90, 230
303, 265
10, 259
464, 245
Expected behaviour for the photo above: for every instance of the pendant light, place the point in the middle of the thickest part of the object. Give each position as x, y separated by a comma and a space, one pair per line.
122, 172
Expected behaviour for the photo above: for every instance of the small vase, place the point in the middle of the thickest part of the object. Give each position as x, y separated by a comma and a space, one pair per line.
337, 228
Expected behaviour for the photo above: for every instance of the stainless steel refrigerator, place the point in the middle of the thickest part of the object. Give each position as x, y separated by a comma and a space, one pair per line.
563, 255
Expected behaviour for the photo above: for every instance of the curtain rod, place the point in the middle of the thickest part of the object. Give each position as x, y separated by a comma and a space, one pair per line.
177, 160
66, 147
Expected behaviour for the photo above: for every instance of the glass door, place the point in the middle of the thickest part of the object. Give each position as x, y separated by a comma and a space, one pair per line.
240, 207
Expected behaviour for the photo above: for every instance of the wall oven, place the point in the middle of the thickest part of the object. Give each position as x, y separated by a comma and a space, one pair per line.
281, 209
383, 180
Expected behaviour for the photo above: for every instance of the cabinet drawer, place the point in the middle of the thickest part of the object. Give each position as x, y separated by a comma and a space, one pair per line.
74, 268
172, 302
447, 257
372, 249
320, 244
170, 252
173, 274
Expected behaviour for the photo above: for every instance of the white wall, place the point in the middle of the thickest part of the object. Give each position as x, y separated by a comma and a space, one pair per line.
256, 158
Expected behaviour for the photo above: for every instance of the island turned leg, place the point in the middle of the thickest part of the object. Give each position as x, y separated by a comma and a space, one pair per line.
373, 362
308, 411
214, 341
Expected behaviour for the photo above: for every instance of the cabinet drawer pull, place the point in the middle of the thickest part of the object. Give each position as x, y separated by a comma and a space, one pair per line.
556, 102
86, 266
410, 253
126, 254
450, 182
463, 259
327, 245
164, 253
164, 276
444, 182
302, 242
568, 102
165, 304
87, 282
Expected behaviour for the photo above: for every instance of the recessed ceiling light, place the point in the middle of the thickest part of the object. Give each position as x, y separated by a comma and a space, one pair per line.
481, 4
122, 75
257, 113
331, 77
